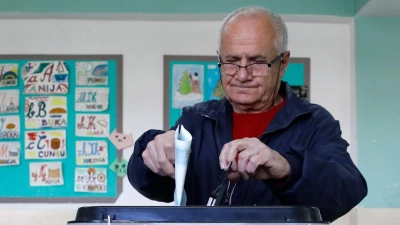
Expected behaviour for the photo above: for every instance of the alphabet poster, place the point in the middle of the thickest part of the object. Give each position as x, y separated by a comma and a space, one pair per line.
49, 77
91, 153
91, 99
46, 174
92, 179
46, 112
9, 101
56, 116
9, 75
10, 153
45, 144
9, 127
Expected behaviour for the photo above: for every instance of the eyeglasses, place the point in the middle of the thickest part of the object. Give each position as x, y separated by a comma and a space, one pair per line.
254, 69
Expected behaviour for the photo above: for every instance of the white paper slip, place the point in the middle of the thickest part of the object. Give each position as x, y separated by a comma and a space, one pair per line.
183, 141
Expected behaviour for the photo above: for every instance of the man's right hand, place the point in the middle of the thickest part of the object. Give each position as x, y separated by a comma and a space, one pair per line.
159, 155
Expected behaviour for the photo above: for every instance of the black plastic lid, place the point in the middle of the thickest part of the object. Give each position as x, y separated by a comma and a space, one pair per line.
194, 214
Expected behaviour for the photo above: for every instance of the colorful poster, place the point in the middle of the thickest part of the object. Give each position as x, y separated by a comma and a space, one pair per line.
9, 127
8, 75
10, 153
91, 99
46, 174
45, 144
92, 73
47, 77
45, 112
91, 180
92, 125
214, 89
187, 84
91, 153
9, 101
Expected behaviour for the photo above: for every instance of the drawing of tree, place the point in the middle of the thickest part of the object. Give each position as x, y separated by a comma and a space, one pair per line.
218, 91
184, 84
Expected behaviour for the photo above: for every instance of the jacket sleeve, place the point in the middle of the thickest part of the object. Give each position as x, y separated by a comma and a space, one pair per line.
322, 173
147, 183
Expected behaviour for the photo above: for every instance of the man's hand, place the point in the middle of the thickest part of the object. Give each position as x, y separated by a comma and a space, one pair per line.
159, 155
255, 160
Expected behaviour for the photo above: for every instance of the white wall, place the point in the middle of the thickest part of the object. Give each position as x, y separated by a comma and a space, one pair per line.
143, 44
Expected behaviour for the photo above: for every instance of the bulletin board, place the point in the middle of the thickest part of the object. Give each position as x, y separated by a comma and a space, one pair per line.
192, 79
56, 115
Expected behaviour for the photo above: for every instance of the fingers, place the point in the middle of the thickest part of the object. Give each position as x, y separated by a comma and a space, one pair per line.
254, 160
159, 154
251, 159
229, 153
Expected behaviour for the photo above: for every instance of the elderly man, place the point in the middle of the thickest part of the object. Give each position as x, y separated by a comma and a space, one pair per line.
284, 150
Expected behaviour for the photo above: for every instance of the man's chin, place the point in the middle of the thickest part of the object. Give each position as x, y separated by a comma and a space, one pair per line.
241, 101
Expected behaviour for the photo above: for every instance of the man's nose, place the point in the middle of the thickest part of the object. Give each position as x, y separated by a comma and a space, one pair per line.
243, 74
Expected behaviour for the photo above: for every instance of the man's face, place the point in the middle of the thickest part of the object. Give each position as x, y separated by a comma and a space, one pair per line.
247, 40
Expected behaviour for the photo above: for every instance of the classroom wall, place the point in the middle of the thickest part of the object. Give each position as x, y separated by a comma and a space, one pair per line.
143, 44
378, 78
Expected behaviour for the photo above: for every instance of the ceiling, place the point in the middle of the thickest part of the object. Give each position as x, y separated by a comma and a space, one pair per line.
381, 8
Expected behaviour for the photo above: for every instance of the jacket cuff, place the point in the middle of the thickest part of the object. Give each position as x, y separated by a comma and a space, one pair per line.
296, 164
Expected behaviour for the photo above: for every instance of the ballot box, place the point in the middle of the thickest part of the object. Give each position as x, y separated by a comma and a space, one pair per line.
197, 215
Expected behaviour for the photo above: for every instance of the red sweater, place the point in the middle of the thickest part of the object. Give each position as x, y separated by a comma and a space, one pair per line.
253, 124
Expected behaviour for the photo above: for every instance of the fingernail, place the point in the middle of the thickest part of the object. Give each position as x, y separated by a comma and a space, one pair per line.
222, 165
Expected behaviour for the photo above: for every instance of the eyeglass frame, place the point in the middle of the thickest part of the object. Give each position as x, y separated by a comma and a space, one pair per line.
220, 63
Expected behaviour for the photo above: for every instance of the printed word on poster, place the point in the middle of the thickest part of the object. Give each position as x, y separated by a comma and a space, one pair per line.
46, 174
10, 153
91, 153
92, 125
9, 101
46, 144
92, 73
9, 127
8, 75
91, 180
45, 77
45, 112
91, 99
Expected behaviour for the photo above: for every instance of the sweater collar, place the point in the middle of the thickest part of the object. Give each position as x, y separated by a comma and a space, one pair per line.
293, 108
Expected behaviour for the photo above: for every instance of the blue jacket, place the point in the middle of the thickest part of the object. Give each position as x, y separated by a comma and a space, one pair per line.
322, 172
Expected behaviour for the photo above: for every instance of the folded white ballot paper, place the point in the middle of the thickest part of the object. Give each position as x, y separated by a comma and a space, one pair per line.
183, 140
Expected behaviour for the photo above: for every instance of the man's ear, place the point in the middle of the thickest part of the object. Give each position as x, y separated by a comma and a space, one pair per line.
285, 63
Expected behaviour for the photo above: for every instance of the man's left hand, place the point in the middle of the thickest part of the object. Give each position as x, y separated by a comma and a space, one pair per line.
254, 160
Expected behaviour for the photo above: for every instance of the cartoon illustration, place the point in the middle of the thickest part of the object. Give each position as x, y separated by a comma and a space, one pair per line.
188, 83
120, 140
119, 167
8, 75
91, 73
91, 180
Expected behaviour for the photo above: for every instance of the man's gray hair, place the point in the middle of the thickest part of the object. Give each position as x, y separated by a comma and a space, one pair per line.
281, 41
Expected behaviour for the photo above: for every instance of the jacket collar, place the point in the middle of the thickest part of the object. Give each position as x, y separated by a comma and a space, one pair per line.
221, 111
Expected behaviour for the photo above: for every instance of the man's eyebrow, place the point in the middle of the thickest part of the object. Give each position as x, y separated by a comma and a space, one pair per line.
257, 57
254, 57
